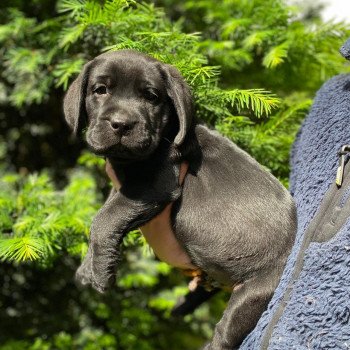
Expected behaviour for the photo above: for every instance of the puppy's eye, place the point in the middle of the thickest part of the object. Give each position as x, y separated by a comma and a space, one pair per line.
151, 95
100, 90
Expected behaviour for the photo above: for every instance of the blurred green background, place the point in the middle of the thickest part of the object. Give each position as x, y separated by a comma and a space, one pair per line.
253, 66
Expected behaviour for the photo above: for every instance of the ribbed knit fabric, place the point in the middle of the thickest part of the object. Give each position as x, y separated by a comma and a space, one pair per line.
317, 316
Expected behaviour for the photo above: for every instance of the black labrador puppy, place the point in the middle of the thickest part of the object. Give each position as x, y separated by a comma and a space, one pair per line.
233, 218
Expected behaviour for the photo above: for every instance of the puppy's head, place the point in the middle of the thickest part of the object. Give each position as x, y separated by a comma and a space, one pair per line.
129, 101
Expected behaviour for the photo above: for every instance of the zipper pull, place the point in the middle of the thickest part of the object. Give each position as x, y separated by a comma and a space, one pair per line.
340, 171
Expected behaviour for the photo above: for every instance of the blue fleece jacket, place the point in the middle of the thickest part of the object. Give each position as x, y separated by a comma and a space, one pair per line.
317, 315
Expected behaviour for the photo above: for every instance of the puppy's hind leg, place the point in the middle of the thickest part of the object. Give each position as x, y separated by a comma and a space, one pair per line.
243, 311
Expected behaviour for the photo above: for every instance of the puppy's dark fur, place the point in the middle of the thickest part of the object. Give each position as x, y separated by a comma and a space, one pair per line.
233, 218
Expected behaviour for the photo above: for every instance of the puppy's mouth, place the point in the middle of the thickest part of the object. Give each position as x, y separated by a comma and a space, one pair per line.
124, 148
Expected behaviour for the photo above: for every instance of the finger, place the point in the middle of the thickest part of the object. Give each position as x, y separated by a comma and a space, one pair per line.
183, 172
111, 174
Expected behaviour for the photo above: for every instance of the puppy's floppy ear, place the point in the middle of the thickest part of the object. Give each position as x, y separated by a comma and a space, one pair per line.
74, 101
180, 94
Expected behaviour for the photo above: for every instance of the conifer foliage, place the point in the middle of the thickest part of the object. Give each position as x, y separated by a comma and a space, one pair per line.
37, 220
271, 45
86, 28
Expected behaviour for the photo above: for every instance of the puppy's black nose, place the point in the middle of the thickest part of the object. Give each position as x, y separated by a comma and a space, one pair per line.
122, 127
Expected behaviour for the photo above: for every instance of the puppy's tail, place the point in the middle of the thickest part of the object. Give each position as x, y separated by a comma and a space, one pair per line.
187, 304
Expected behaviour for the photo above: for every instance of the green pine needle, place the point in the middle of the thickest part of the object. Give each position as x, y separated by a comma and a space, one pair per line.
276, 55
21, 249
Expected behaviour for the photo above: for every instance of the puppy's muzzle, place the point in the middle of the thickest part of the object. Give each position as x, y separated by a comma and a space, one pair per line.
121, 126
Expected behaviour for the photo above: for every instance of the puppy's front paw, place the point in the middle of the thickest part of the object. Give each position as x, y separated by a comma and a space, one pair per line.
99, 280
102, 282
96, 272
84, 273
